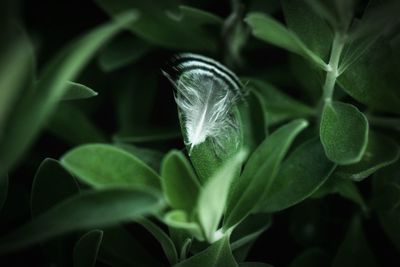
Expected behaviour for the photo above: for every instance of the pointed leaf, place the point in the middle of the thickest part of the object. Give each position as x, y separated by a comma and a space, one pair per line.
86, 210
32, 112
301, 174
269, 30
87, 248
214, 195
179, 182
217, 255
259, 172
77, 91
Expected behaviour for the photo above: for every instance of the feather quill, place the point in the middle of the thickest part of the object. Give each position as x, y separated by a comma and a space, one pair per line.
206, 91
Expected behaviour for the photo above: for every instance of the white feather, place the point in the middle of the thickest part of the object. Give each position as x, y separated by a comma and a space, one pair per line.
205, 102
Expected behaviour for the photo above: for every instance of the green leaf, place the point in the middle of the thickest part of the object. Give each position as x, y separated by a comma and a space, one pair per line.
83, 211
122, 51
375, 69
70, 124
253, 120
164, 240
354, 250
301, 174
249, 229
259, 172
206, 159
179, 182
180, 220
182, 27
217, 255
87, 248
279, 106
381, 151
386, 190
16, 72
271, 31
344, 133
214, 195
151, 157
308, 26
51, 174
77, 91
3, 190
104, 166
33, 110
120, 249
312, 257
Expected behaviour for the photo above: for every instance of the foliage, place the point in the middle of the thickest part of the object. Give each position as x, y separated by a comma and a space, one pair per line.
93, 162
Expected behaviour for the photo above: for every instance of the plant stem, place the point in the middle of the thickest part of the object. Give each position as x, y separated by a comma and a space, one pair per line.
333, 73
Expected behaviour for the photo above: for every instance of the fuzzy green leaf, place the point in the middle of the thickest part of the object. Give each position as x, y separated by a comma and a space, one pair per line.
217, 255
214, 195
301, 174
270, 30
179, 182
381, 151
259, 172
104, 166
344, 133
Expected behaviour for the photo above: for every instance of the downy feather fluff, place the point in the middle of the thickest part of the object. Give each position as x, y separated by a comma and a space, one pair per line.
206, 91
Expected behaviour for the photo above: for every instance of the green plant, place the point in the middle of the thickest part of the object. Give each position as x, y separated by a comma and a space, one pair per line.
328, 126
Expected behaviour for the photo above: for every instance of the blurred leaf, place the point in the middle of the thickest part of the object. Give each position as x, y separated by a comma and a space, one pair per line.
164, 240
373, 79
182, 26
16, 68
301, 174
309, 27
312, 257
150, 157
343, 132
149, 136
214, 195
179, 182
253, 120
3, 190
77, 91
270, 30
381, 151
120, 249
249, 229
104, 166
354, 250
386, 189
51, 185
217, 255
35, 107
179, 219
135, 103
83, 211
278, 105
123, 50
70, 124
87, 248
259, 172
